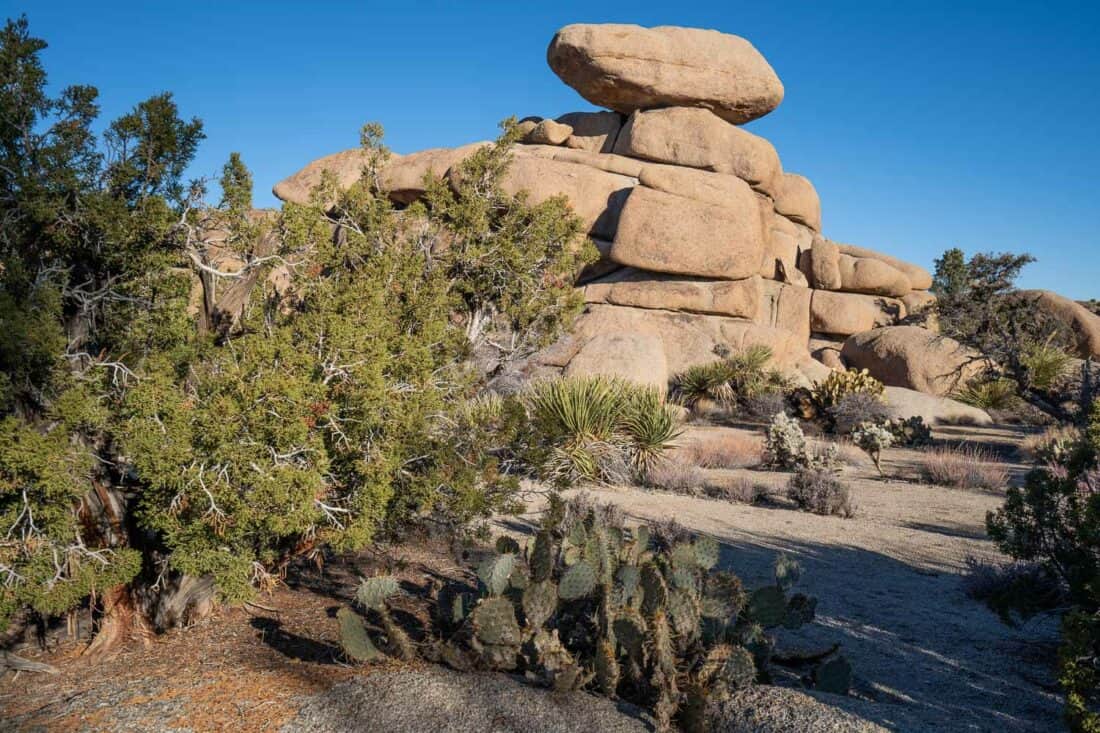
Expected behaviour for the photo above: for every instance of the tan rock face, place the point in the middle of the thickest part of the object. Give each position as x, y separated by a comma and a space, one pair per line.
346, 166
785, 241
903, 403
796, 198
786, 307
595, 195
665, 233
640, 289
917, 300
697, 139
823, 265
627, 67
843, 314
592, 131
912, 357
1079, 320
635, 357
827, 351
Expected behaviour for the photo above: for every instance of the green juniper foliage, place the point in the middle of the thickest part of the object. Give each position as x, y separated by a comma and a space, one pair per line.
314, 415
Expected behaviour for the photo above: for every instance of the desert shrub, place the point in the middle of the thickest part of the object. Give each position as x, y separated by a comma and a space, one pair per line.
1015, 589
766, 403
910, 432
828, 393
587, 428
1054, 519
856, 408
605, 609
1053, 444
968, 467
785, 446
820, 491
872, 439
674, 476
997, 393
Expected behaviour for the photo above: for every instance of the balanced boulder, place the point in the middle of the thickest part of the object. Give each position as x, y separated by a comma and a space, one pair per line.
796, 198
698, 139
593, 131
914, 358
628, 67
666, 233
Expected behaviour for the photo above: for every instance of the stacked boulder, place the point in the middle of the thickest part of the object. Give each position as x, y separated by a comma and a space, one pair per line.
705, 241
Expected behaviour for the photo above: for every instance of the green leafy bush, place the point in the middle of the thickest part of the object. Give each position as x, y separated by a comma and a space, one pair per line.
998, 393
589, 604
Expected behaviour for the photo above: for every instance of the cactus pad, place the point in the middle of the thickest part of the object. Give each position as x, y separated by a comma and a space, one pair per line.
607, 668
577, 582
787, 571
767, 606
630, 634
507, 546
353, 637
495, 572
801, 610
494, 622
707, 551
654, 590
540, 601
542, 557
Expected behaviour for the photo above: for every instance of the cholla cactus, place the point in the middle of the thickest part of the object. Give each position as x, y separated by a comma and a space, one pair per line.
873, 439
911, 432
785, 443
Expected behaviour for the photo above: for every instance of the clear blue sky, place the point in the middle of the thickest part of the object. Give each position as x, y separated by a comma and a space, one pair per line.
924, 125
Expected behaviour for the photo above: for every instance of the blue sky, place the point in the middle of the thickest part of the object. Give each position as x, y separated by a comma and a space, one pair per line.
924, 125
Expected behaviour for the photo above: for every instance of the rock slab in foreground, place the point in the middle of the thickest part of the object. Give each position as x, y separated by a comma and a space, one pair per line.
628, 67
439, 700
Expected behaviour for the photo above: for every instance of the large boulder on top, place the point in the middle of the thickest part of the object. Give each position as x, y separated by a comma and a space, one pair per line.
697, 139
871, 276
592, 131
346, 167
665, 233
640, 289
796, 198
919, 278
914, 358
1082, 323
628, 67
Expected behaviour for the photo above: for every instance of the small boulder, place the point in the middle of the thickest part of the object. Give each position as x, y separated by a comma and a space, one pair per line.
666, 233
796, 197
628, 67
404, 177
595, 132
822, 264
548, 132
827, 351
919, 278
698, 139
871, 276
771, 709
914, 358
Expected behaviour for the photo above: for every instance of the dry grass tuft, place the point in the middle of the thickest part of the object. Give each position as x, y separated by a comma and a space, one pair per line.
675, 476
739, 490
1035, 445
724, 450
969, 467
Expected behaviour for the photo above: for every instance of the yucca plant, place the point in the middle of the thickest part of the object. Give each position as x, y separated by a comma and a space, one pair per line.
1045, 364
997, 393
651, 426
709, 381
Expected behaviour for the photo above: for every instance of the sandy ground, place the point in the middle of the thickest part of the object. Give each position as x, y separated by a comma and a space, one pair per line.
889, 588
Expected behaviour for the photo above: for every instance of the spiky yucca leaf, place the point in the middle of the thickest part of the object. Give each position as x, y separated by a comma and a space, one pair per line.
703, 381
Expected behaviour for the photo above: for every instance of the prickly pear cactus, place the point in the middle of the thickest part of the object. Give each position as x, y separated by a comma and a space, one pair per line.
542, 557
801, 610
654, 589
354, 639
608, 672
495, 573
767, 606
